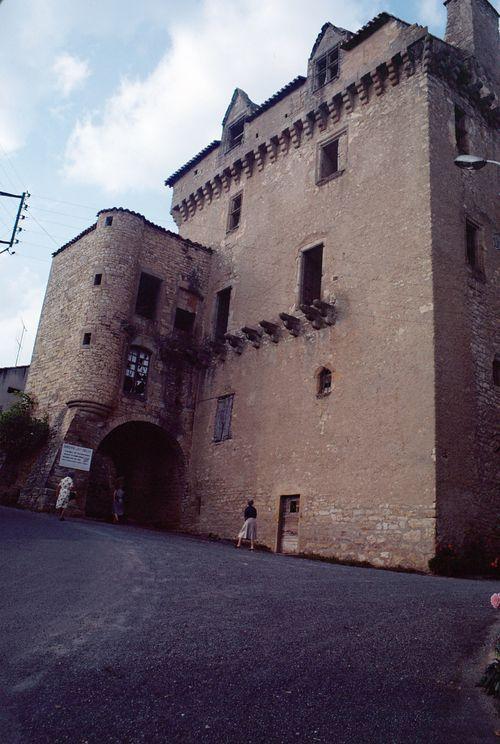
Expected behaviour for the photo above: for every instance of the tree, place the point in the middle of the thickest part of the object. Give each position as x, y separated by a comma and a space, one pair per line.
20, 431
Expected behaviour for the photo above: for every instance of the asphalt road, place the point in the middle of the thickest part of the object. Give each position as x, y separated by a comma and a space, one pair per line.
120, 634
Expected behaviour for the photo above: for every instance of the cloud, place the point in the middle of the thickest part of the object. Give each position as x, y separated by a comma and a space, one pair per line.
431, 12
22, 296
70, 73
150, 126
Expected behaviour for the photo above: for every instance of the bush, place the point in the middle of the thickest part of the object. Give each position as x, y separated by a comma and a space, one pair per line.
490, 681
20, 432
472, 559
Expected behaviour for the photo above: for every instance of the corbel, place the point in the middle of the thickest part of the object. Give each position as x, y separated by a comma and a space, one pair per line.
408, 64
314, 316
335, 108
378, 81
272, 149
284, 141
427, 55
362, 90
291, 323
328, 310
184, 210
177, 215
321, 115
247, 164
235, 342
308, 124
208, 191
347, 99
254, 335
296, 132
226, 179
199, 199
235, 171
272, 330
260, 156
392, 71
217, 186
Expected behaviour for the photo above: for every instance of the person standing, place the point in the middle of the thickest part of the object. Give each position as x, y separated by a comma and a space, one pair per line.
249, 529
118, 501
65, 492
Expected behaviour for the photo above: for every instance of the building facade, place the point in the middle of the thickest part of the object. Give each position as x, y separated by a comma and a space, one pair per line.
333, 353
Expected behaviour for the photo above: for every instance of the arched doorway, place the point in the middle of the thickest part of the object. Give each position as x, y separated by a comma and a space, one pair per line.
152, 465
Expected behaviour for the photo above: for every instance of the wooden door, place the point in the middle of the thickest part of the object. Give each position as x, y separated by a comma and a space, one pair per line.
288, 539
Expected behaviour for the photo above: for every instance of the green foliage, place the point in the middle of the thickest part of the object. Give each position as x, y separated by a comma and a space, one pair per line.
490, 681
20, 431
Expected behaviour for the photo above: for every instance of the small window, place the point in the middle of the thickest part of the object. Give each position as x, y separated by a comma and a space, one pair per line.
461, 138
86, 339
108, 222
222, 313
328, 160
324, 382
136, 373
326, 68
184, 320
473, 247
97, 280
312, 269
234, 212
496, 370
222, 428
147, 296
236, 131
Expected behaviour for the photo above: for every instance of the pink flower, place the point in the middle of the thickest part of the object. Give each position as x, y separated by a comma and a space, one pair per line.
495, 601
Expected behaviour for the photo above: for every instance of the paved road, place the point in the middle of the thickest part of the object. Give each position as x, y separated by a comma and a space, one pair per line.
119, 634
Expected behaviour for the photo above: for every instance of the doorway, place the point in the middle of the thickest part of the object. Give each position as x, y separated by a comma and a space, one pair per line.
288, 536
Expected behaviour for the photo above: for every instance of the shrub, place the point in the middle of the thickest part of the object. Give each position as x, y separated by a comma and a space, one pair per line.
20, 431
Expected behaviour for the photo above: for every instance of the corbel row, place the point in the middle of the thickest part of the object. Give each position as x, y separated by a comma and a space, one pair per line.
303, 128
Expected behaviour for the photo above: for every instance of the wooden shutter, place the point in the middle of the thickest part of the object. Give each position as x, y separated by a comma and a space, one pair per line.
222, 429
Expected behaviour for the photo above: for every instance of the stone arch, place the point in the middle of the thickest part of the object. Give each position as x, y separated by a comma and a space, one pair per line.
152, 464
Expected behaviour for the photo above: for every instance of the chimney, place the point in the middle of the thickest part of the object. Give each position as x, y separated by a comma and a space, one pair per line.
472, 26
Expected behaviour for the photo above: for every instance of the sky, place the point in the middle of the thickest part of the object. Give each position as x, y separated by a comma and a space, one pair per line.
101, 100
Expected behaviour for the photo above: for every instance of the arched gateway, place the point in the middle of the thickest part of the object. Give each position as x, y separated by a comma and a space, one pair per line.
152, 465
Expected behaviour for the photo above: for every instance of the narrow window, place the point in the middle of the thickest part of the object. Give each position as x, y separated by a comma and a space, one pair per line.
461, 137
108, 222
326, 68
222, 313
236, 134
97, 280
328, 160
472, 246
184, 320
496, 370
324, 382
147, 296
222, 428
136, 372
312, 268
234, 212
86, 339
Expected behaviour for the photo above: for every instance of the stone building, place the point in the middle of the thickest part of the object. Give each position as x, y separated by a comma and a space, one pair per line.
332, 353
12, 381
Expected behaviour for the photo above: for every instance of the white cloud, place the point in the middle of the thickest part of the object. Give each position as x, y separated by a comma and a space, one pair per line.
22, 296
70, 73
151, 126
431, 12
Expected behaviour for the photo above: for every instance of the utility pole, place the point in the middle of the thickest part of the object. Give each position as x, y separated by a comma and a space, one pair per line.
20, 341
20, 216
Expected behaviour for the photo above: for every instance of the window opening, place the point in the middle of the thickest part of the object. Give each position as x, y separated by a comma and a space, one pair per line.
97, 280
236, 131
222, 428
13, 390
496, 370
184, 320
136, 372
329, 159
312, 269
461, 131
234, 212
326, 68
147, 296
222, 313
86, 339
472, 246
108, 222
324, 382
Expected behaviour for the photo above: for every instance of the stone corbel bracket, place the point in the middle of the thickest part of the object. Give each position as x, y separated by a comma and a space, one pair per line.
291, 323
272, 330
235, 342
328, 310
254, 335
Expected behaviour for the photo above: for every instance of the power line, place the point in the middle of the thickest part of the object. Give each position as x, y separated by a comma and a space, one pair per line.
61, 201
63, 214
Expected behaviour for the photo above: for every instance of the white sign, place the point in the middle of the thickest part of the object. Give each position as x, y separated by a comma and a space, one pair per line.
77, 458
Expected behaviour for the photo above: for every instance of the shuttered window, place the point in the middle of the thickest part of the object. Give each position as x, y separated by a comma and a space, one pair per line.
222, 429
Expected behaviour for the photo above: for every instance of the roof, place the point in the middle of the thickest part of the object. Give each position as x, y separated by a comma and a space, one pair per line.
282, 93
18, 366
324, 29
191, 163
369, 28
147, 222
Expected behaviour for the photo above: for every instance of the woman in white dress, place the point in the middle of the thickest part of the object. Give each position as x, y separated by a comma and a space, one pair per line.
65, 491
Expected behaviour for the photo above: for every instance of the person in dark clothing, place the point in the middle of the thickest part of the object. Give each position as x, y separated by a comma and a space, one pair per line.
249, 529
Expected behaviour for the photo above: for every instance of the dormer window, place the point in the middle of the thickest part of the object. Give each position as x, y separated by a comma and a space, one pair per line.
326, 68
235, 136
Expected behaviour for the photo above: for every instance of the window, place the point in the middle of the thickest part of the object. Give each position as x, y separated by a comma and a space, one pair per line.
108, 222
496, 370
147, 296
97, 280
461, 138
235, 137
184, 320
312, 269
472, 247
326, 68
324, 382
86, 339
13, 390
234, 212
222, 429
328, 160
136, 373
222, 313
